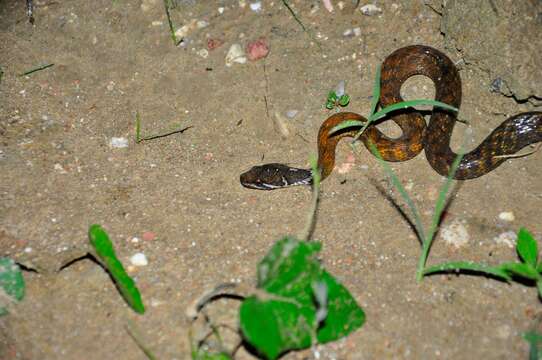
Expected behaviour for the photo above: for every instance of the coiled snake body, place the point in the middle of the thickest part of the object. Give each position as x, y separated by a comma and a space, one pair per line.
508, 138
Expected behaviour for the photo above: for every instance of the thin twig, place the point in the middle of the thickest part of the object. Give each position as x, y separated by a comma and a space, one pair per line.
39, 68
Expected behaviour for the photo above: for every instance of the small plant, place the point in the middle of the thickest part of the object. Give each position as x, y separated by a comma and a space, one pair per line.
12, 286
104, 253
337, 97
529, 268
296, 304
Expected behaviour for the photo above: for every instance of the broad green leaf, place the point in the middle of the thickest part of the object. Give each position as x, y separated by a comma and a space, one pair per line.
527, 247
11, 283
283, 316
343, 313
106, 256
289, 267
273, 326
521, 269
469, 266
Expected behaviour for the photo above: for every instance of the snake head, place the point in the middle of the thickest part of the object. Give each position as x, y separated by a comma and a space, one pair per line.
274, 176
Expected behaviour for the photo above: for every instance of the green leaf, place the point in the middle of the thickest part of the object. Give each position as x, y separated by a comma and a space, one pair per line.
299, 302
376, 92
344, 100
343, 313
332, 96
203, 355
105, 254
406, 104
535, 344
273, 326
469, 266
521, 269
11, 283
527, 247
346, 124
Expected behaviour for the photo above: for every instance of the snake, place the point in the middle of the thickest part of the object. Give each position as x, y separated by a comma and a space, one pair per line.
515, 133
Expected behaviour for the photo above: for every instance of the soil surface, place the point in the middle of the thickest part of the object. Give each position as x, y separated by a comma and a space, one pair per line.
177, 199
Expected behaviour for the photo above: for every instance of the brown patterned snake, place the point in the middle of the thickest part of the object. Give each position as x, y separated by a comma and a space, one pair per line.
508, 138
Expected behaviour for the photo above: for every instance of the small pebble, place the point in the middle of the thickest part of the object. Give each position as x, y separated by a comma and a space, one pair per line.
59, 168
257, 49
455, 234
291, 113
186, 29
256, 6
507, 216
118, 142
328, 5
221, 10
139, 259
506, 238
149, 236
339, 89
214, 43
203, 53
235, 55
200, 24
370, 10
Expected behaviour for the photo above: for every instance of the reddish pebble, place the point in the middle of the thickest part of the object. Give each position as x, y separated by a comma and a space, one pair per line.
214, 43
148, 236
208, 156
257, 49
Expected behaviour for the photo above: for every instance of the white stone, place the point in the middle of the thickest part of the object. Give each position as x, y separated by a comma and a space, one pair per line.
235, 54
455, 234
370, 10
507, 216
118, 142
139, 259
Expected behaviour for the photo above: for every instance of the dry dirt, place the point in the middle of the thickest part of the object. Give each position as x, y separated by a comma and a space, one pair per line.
115, 58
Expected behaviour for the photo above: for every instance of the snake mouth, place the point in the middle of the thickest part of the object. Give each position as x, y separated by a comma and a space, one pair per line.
256, 185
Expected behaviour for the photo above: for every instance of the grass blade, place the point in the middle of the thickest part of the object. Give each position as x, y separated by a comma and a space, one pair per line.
439, 207
170, 23
346, 124
469, 266
412, 103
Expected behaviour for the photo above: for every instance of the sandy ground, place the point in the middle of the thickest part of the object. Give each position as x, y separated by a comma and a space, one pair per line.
112, 59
